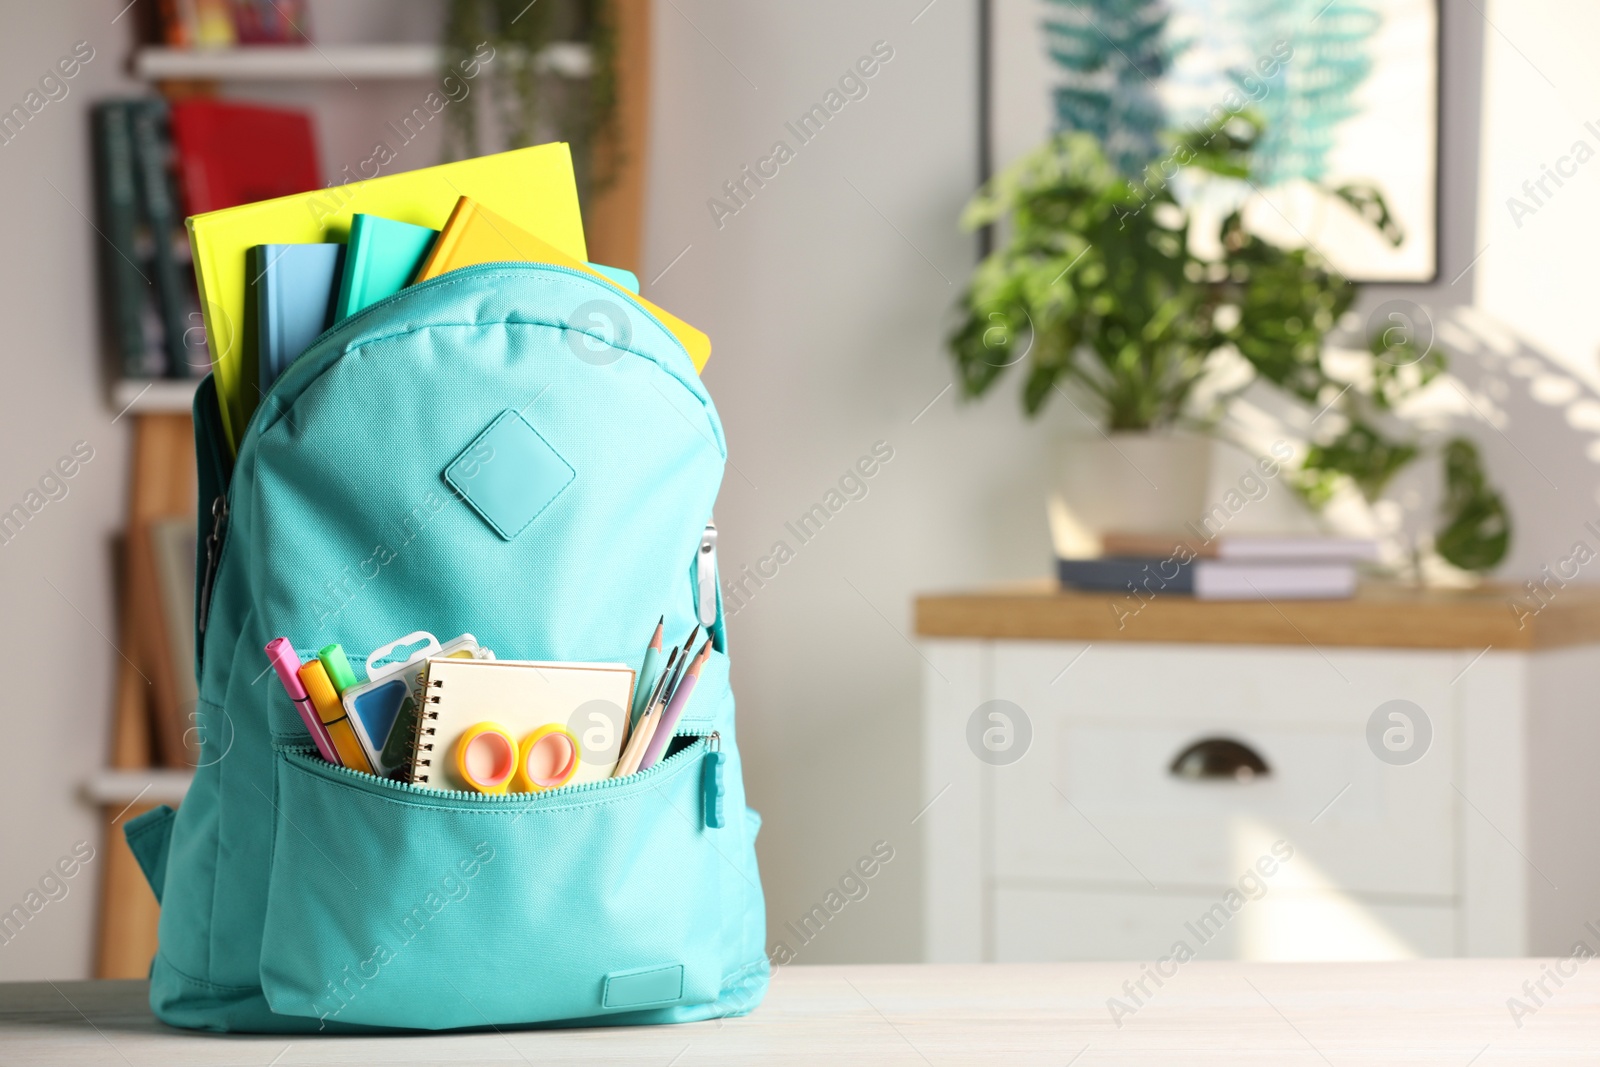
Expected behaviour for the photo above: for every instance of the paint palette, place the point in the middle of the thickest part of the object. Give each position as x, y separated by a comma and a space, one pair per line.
384, 707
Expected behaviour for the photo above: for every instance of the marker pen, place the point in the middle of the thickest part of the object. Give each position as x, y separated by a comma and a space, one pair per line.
325, 699
282, 656
338, 667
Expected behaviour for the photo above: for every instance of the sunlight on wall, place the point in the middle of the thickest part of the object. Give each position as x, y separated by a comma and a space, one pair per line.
1538, 215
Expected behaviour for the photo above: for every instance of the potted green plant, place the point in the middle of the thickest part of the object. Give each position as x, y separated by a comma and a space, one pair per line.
524, 93
1104, 294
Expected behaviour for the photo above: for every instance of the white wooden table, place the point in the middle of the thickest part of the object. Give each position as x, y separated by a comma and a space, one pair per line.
1224, 1014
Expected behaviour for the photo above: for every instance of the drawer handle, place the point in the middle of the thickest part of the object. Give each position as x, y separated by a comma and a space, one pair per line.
1214, 758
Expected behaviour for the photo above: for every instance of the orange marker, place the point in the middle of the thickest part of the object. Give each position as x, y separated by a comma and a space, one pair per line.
325, 698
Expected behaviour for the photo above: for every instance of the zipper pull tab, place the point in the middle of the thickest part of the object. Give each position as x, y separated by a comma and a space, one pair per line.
712, 786
706, 577
219, 520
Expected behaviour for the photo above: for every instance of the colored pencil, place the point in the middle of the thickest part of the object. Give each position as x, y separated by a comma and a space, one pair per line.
647, 675
639, 736
668, 725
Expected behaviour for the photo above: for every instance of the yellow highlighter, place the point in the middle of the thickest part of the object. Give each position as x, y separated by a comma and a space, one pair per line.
325, 698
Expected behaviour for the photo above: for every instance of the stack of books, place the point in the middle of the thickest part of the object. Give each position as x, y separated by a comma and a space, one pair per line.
156, 163
1235, 567
224, 23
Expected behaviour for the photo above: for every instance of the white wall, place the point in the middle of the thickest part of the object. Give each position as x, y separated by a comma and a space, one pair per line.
55, 577
827, 298
1535, 272
828, 326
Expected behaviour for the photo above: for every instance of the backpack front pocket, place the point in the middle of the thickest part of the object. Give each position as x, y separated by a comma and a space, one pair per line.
396, 906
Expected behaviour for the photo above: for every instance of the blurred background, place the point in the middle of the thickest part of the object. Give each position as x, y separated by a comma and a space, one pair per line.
1404, 209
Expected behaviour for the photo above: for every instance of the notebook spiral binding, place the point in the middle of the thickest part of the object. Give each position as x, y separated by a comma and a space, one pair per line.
422, 767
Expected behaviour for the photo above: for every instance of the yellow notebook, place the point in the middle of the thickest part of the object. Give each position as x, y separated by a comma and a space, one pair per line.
476, 235
534, 187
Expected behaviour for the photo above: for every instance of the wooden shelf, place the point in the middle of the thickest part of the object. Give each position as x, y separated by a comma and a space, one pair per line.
1378, 616
155, 785
325, 62
166, 396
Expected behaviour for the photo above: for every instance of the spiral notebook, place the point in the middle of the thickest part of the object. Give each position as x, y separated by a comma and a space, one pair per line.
589, 699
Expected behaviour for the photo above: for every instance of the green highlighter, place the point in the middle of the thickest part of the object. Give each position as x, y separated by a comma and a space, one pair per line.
337, 666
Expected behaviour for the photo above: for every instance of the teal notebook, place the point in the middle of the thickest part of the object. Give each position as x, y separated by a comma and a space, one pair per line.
385, 255
292, 290
624, 278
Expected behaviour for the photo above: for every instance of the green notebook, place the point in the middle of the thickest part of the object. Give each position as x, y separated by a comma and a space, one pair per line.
622, 277
384, 255
381, 259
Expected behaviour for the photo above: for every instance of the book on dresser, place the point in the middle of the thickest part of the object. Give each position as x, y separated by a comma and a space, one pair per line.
1236, 567
1210, 579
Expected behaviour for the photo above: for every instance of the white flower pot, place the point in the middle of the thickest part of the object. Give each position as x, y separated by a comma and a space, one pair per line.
1151, 483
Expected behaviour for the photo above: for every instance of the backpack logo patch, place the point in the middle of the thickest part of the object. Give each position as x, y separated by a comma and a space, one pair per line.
509, 474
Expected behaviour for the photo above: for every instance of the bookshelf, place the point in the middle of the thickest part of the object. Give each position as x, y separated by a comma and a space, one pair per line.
325, 62
290, 63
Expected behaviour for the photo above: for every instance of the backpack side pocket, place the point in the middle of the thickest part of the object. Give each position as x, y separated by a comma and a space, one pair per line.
148, 838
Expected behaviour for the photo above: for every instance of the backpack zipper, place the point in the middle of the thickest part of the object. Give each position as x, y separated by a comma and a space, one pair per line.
219, 523
712, 788
219, 507
713, 742
452, 277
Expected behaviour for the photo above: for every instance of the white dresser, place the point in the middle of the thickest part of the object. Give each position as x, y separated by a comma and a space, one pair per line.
1402, 774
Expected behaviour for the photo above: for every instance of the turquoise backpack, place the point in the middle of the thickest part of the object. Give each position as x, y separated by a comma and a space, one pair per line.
301, 896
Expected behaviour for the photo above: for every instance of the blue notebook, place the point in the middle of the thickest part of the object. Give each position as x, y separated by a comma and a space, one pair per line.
293, 288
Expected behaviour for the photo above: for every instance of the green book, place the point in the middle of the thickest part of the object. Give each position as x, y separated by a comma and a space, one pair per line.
172, 279
380, 260
384, 255
622, 277
129, 296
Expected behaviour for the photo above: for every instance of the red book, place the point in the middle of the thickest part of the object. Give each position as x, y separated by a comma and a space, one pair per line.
231, 154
